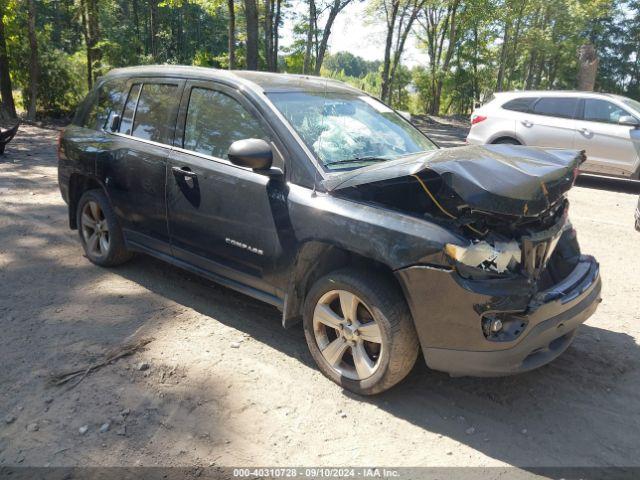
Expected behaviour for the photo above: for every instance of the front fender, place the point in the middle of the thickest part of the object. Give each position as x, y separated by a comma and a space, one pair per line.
392, 238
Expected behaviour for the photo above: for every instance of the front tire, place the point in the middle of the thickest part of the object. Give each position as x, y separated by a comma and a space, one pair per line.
359, 331
100, 232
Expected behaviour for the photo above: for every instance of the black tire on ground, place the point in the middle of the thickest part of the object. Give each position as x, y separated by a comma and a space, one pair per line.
506, 141
116, 253
389, 309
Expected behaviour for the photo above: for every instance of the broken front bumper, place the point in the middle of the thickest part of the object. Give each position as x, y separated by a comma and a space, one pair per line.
448, 311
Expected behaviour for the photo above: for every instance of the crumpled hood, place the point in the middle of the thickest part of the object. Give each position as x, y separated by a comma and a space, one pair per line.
502, 179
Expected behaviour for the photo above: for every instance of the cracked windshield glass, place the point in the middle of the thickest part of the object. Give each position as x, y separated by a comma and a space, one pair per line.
347, 131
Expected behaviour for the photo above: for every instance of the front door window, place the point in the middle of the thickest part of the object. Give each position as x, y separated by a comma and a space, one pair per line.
215, 120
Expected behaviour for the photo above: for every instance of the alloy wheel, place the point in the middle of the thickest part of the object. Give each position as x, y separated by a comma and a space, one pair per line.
349, 338
95, 229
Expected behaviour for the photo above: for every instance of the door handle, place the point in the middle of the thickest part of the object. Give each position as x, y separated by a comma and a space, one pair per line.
527, 123
585, 132
186, 173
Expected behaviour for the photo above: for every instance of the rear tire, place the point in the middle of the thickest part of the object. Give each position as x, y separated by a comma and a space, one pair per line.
100, 232
370, 348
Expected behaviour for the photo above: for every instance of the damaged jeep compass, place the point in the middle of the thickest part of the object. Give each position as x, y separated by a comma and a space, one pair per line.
316, 198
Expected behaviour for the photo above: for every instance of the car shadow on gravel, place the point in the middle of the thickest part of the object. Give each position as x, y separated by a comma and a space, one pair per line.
569, 413
261, 321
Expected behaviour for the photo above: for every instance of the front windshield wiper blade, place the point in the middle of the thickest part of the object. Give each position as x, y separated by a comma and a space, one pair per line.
357, 160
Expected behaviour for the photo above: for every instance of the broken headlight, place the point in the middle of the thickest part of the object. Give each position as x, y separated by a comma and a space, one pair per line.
496, 257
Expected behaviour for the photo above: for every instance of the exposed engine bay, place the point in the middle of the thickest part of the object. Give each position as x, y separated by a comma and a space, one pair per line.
508, 202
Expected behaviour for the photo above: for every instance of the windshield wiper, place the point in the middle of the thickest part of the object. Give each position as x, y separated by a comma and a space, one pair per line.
357, 160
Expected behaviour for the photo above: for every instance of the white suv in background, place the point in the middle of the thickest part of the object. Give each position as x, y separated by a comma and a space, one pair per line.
606, 126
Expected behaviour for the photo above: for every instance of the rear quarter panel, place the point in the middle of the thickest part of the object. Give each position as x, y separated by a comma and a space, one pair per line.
499, 123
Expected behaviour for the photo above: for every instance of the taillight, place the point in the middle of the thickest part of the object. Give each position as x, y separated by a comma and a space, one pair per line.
477, 119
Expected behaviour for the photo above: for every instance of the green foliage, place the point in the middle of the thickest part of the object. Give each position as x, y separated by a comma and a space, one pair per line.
474, 46
370, 83
350, 64
62, 82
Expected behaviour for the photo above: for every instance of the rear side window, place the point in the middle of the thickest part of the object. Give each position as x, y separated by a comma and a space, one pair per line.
106, 102
556, 107
129, 109
115, 93
215, 120
156, 112
602, 111
522, 104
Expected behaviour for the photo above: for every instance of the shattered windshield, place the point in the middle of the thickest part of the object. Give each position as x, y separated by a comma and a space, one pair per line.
348, 130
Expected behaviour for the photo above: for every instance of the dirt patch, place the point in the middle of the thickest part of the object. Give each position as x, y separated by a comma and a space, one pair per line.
225, 385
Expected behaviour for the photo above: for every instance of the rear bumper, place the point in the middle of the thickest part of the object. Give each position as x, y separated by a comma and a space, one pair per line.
455, 343
473, 139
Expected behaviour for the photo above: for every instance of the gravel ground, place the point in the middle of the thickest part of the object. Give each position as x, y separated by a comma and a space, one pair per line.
222, 384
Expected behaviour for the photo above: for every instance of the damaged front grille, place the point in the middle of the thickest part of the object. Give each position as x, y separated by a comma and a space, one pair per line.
527, 253
536, 254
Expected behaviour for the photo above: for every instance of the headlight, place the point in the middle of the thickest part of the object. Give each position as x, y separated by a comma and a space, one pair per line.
499, 257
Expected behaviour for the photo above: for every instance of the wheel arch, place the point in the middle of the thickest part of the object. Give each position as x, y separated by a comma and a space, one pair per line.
78, 184
505, 136
316, 259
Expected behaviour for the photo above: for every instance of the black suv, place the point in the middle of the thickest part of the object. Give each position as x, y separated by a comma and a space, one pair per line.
320, 200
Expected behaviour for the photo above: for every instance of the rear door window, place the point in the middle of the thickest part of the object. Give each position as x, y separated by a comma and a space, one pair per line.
561, 107
156, 112
522, 104
216, 120
596, 110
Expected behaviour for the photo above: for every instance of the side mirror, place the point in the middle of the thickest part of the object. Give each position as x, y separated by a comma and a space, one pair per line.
629, 121
252, 152
115, 123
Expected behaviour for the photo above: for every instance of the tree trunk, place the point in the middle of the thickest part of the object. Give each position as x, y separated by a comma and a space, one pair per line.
588, 67
476, 86
91, 32
514, 51
266, 31
87, 41
276, 35
93, 27
251, 13
306, 66
531, 69
402, 39
232, 34
337, 6
386, 64
136, 23
437, 96
8, 108
153, 28
34, 68
451, 26
503, 58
